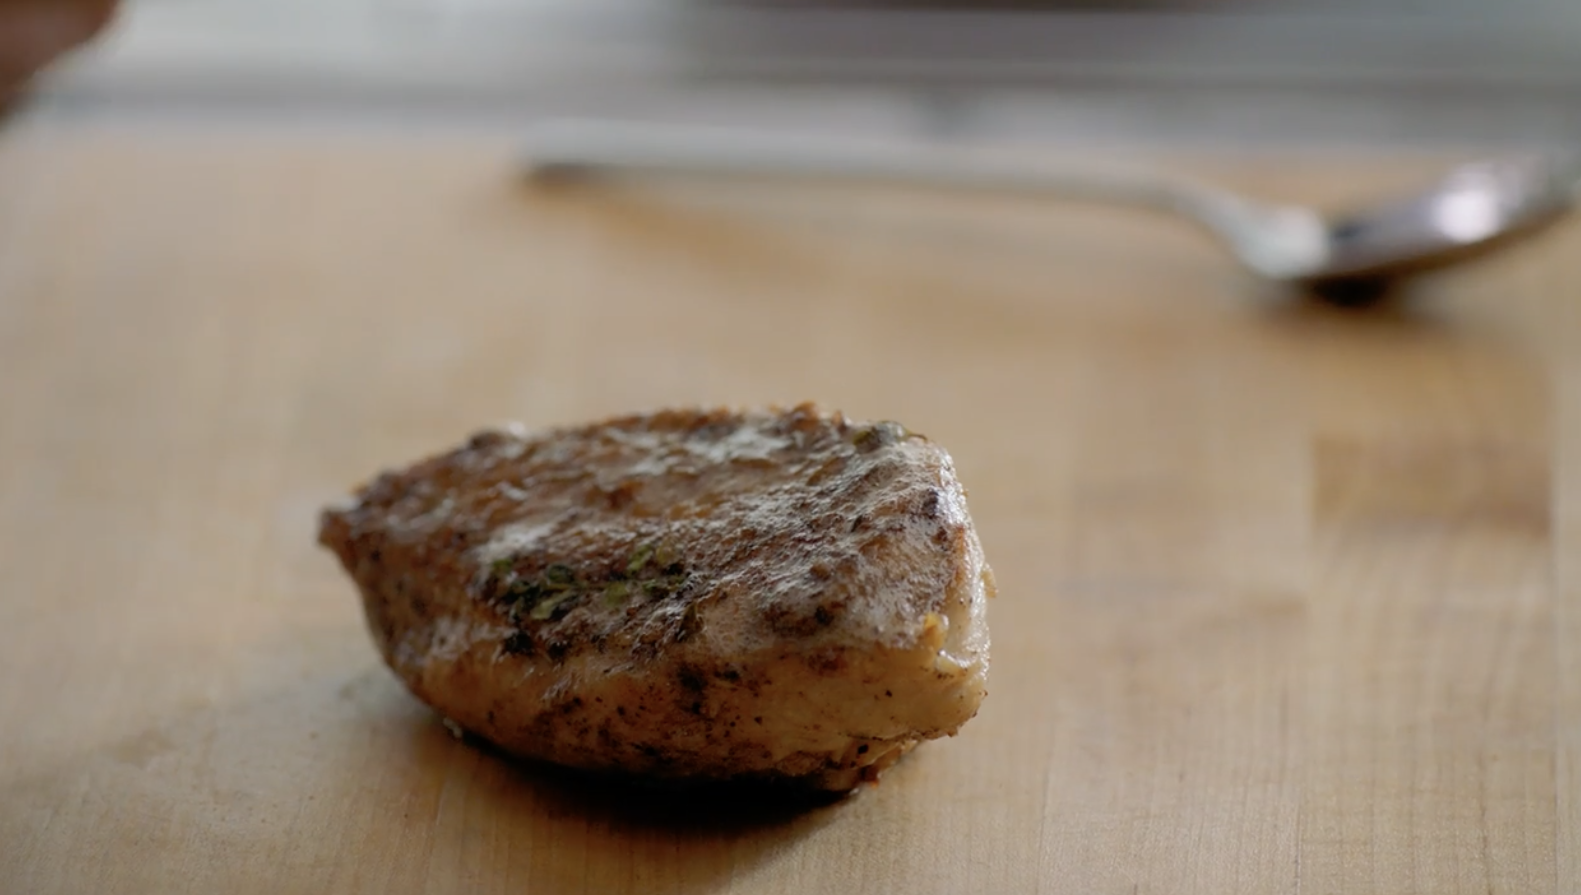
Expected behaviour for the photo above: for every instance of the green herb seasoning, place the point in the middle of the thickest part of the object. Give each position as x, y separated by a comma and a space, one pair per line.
538, 597
665, 585
871, 438
525, 590
639, 560
665, 557
545, 608
617, 593
653, 571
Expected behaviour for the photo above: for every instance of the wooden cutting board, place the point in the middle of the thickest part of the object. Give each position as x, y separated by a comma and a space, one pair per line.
1290, 596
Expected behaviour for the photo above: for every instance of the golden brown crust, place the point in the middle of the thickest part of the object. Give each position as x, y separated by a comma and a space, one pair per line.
686, 593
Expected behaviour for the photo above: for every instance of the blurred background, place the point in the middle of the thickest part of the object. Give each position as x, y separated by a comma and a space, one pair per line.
1455, 74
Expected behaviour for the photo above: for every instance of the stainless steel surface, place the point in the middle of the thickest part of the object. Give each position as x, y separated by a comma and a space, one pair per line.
1475, 207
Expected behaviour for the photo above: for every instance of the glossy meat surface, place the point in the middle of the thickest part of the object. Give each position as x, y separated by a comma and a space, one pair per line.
692, 594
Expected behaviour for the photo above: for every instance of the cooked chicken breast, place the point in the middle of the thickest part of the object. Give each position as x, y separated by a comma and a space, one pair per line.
686, 594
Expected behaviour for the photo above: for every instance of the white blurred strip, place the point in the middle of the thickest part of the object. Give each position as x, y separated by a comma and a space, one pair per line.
1273, 69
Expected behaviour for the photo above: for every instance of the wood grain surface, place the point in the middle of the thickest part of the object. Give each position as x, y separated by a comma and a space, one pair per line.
1290, 596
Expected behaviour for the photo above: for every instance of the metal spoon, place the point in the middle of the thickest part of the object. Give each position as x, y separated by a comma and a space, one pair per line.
1475, 207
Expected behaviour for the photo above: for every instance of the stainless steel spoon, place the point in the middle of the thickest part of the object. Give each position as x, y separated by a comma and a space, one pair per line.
1475, 207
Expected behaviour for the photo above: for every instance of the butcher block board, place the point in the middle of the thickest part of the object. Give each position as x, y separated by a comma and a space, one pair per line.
1290, 596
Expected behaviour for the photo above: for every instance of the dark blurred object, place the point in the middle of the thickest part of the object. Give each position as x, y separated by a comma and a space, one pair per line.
33, 33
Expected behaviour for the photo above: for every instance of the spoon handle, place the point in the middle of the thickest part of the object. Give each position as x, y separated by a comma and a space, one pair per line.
591, 149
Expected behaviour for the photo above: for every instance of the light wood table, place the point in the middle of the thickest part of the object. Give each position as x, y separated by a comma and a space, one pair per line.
1291, 597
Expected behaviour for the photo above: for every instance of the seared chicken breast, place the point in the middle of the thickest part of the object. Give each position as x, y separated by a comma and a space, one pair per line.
686, 594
